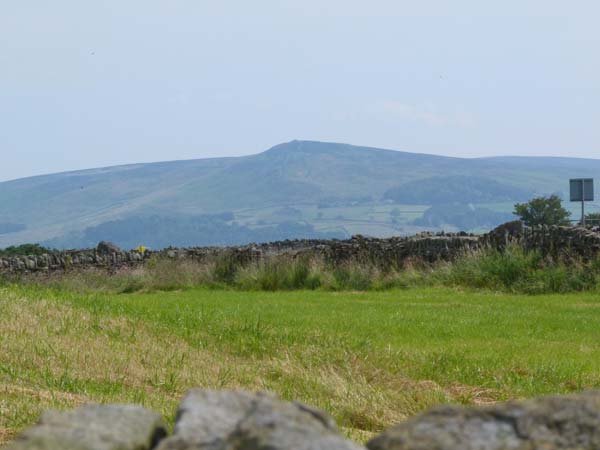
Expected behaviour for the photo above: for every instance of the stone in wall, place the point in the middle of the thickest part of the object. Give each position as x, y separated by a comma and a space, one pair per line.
505, 234
548, 423
224, 420
94, 427
106, 248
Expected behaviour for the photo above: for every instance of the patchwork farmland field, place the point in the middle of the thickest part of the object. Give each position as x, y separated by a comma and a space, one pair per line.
370, 359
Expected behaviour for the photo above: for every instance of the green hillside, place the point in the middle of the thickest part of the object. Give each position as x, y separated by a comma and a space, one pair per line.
327, 187
442, 190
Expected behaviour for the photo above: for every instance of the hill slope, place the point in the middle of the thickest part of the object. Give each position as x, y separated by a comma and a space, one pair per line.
335, 187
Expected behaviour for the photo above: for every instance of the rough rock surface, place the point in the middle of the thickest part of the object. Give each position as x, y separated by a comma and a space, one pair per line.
107, 248
94, 427
501, 236
548, 423
219, 420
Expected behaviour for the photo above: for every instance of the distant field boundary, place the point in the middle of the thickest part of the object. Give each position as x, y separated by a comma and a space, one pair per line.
388, 252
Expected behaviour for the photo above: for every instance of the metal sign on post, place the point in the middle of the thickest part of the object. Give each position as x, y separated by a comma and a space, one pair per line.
582, 190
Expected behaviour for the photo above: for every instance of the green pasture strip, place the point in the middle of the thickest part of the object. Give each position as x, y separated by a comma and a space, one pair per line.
369, 358
520, 345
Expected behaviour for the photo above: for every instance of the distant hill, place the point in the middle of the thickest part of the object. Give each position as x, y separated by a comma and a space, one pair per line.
333, 188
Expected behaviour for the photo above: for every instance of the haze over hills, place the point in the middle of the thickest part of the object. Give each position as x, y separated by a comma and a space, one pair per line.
296, 189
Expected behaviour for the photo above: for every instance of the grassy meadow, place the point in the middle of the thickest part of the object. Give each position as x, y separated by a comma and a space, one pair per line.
369, 358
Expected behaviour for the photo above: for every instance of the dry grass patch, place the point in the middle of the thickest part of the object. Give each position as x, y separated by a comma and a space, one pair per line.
6, 435
369, 359
58, 356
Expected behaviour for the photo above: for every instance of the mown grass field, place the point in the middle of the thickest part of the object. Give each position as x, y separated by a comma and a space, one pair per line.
370, 359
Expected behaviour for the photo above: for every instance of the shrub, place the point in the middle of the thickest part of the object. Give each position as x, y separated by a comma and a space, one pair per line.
543, 211
25, 250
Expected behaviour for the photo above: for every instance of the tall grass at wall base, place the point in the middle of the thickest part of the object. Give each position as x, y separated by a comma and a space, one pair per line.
283, 273
512, 270
519, 271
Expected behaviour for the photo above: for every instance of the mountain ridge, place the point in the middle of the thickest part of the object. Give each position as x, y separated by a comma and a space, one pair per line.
131, 166
296, 174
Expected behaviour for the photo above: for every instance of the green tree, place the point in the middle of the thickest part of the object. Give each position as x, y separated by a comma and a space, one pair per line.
592, 218
25, 250
543, 211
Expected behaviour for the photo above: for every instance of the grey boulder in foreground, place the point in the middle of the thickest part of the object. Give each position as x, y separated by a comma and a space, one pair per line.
94, 427
547, 423
225, 420
236, 420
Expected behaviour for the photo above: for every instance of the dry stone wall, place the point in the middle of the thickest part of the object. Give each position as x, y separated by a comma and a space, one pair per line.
390, 251
549, 240
554, 241
228, 420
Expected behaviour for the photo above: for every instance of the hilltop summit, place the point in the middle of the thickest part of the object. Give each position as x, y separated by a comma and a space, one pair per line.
333, 187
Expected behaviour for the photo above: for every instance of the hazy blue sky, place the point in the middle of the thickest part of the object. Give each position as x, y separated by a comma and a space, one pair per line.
85, 84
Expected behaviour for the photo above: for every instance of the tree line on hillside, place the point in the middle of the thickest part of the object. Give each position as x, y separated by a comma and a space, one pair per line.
461, 216
455, 189
187, 231
545, 210
222, 230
